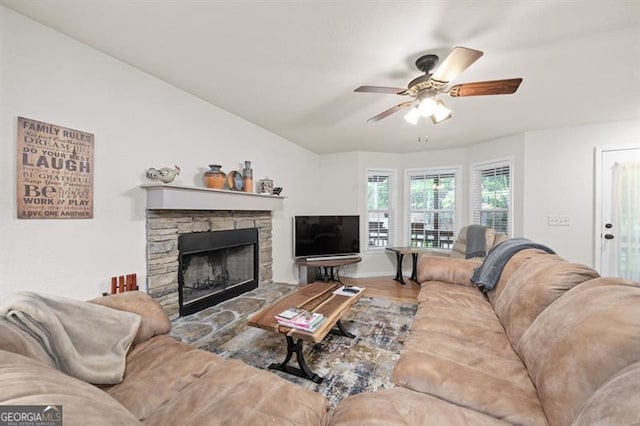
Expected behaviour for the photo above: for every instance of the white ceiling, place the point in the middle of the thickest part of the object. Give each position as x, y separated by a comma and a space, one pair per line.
291, 66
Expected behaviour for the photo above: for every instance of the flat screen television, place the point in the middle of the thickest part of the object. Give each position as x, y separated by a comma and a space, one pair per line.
316, 236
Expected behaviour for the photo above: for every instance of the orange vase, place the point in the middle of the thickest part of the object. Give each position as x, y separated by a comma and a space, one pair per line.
247, 177
214, 177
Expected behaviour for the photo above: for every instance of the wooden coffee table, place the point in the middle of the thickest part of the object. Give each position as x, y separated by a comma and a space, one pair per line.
316, 297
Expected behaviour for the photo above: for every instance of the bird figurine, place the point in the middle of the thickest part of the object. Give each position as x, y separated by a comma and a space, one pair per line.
164, 175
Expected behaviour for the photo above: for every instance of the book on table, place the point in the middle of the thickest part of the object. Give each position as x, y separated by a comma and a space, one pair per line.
300, 319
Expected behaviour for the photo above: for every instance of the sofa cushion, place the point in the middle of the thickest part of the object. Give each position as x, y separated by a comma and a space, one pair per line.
458, 352
516, 261
12, 339
438, 293
154, 319
580, 342
399, 406
533, 287
29, 382
617, 402
446, 269
169, 382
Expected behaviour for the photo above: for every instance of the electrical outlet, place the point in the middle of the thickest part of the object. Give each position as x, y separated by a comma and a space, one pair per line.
558, 220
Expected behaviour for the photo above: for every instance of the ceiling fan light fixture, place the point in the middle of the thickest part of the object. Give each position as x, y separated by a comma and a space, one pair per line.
440, 113
412, 116
427, 107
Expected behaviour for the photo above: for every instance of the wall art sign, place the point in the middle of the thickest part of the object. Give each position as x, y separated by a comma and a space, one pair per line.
54, 171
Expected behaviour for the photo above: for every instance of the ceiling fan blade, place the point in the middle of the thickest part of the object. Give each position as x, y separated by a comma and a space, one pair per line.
481, 88
380, 89
391, 110
458, 60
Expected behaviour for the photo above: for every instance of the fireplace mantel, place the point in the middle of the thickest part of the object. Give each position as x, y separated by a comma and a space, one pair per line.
176, 197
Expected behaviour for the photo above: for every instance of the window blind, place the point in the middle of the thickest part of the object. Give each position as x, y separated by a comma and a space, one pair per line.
491, 196
380, 212
432, 208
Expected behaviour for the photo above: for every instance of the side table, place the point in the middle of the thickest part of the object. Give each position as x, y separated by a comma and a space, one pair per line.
414, 252
400, 252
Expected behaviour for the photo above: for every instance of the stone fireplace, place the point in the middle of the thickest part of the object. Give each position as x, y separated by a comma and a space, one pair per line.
164, 230
197, 219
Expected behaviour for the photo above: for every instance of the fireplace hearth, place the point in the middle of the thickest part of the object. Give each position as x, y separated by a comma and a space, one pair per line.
216, 266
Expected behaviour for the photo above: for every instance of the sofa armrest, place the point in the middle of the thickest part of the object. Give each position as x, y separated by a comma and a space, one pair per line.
500, 237
154, 319
446, 269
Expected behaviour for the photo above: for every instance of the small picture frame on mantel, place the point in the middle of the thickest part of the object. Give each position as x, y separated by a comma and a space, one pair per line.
265, 186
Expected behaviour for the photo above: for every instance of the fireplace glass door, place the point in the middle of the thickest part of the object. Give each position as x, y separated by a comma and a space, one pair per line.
216, 266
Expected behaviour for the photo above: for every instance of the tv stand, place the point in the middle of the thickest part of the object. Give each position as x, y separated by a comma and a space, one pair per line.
307, 268
326, 258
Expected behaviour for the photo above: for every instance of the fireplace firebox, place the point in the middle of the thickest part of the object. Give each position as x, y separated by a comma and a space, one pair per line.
216, 266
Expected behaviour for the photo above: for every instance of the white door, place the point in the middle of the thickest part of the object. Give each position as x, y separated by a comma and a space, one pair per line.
610, 237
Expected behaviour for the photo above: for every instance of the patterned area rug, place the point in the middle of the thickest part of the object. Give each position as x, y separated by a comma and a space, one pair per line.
349, 366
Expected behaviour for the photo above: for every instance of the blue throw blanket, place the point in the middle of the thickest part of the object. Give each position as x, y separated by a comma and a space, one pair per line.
486, 276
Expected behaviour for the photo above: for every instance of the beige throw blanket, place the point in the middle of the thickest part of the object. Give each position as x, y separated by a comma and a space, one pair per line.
85, 340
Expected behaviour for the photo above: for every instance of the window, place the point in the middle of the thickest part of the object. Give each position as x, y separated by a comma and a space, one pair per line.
491, 195
379, 208
432, 207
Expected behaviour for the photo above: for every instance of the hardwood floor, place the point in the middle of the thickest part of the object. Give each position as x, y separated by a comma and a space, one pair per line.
387, 288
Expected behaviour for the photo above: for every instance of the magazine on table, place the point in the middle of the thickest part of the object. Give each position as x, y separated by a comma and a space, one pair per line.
348, 290
300, 319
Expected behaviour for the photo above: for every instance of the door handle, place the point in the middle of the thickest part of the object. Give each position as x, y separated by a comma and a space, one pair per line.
608, 236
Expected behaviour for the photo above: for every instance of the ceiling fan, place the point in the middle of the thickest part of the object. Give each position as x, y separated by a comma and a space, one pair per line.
425, 88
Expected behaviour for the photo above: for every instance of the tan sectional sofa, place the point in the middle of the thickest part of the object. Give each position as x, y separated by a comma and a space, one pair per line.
553, 343
165, 382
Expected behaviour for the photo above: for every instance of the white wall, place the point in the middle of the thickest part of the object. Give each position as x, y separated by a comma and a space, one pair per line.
553, 174
138, 122
559, 180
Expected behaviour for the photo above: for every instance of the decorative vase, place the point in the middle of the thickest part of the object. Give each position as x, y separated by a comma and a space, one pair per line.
247, 177
214, 177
